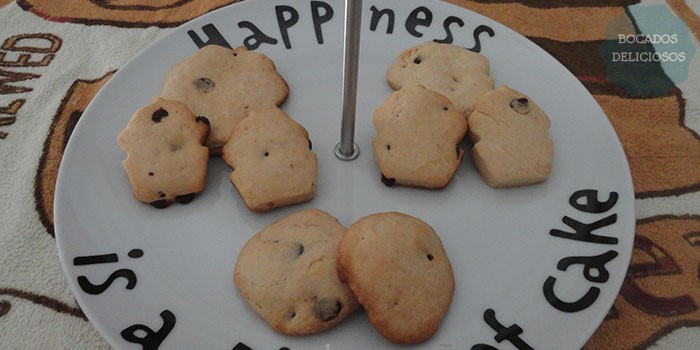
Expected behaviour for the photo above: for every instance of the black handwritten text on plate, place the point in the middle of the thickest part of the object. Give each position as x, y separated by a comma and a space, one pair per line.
241, 346
287, 16
594, 271
88, 287
422, 17
321, 12
511, 333
150, 340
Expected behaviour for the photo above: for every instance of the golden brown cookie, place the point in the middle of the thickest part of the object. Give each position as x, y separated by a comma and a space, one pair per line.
287, 273
165, 157
511, 142
271, 160
460, 74
399, 271
224, 85
418, 132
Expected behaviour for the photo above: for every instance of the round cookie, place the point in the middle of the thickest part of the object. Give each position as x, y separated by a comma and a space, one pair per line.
398, 268
287, 273
418, 132
224, 85
165, 157
460, 74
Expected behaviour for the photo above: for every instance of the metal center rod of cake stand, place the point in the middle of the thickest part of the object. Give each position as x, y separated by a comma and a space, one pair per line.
347, 149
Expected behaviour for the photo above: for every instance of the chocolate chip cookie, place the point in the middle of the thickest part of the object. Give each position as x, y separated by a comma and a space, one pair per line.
287, 273
165, 157
224, 85
396, 265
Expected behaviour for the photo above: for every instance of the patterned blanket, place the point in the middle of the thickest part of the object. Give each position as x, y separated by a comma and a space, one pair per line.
639, 59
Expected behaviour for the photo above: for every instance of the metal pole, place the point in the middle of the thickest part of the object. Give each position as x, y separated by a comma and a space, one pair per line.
347, 149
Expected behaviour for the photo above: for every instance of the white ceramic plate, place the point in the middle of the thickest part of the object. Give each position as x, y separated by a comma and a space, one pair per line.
163, 278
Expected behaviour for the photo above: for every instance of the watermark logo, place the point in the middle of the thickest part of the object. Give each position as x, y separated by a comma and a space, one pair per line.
651, 54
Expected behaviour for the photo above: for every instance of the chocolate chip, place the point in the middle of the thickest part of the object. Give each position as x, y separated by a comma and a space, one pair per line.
310, 145
388, 147
417, 60
300, 249
150, 174
204, 84
520, 105
267, 154
174, 147
327, 309
446, 108
161, 194
430, 257
185, 198
387, 181
160, 204
159, 114
203, 119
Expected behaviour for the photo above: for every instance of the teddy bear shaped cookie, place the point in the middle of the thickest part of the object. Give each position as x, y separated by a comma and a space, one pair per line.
459, 74
166, 160
418, 133
224, 85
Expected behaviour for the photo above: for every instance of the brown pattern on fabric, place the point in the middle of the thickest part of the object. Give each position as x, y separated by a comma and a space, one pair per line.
559, 3
40, 300
665, 331
584, 23
612, 314
582, 58
8, 79
11, 110
72, 106
148, 5
31, 51
660, 293
5, 307
655, 261
122, 13
663, 154
17, 43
